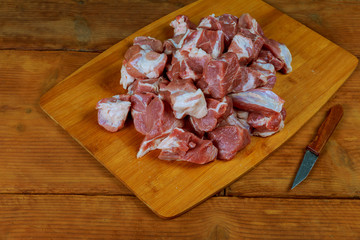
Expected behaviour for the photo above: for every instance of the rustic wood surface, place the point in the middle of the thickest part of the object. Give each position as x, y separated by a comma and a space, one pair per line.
50, 187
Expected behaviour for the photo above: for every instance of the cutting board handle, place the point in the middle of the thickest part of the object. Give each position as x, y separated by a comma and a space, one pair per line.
326, 129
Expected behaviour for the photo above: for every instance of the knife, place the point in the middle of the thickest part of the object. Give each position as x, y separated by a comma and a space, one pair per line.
314, 148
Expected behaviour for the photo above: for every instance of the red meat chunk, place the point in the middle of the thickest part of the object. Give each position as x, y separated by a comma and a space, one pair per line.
229, 140
113, 111
182, 145
266, 124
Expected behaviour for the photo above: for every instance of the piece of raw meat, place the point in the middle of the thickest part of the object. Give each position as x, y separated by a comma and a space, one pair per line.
188, 64
185, 99
126, 79
175, 43
221, 76
182, 145
237, 118
243, 47
212, 42
265, 125
113, 111
143, 64
247, 22
257, 100
139, 104
281, 52
181, 24
215, 110
149, 43
229, 140
267, 57
267, 73
159, 123
151, 85
227, 23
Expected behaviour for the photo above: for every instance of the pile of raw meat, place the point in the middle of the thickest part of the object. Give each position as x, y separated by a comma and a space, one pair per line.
201, 94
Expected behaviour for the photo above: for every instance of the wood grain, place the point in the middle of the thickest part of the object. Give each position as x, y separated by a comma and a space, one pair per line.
121, 217
79, 25
36, 156
163, 187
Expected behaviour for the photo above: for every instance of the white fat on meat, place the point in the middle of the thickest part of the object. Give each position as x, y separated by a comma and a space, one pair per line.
126, 79
269, 133
285, 55
189, 103
242, 46
217, 51
112, 113
146, 66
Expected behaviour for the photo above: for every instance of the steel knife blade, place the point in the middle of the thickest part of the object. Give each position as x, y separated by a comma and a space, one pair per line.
314, 148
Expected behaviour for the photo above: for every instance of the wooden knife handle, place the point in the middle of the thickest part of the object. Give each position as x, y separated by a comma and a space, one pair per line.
326, 129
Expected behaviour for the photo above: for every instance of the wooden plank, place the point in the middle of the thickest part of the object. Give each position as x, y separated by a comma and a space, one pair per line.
338, 21
124, 217
37, 156
77, 25
163, 187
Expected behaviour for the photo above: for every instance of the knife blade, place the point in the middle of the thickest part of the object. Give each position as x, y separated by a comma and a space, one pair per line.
314, 148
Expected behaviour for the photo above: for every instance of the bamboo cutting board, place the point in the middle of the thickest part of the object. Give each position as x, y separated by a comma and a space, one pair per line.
170, 188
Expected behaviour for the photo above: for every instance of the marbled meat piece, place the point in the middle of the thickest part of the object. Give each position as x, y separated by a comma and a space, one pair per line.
265, 125
159, 123
267, 73
181, 24
221, 76
182, 145
229, 140
151, 85
149, 43
267, 57
185, 99
140, 63
212, 42
281, 52
188, 64
247, 22
216, 109
227, 23
113, 111
237, 118
172, 44
257, 100
139, 104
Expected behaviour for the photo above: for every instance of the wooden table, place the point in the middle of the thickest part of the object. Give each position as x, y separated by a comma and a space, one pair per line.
50, 187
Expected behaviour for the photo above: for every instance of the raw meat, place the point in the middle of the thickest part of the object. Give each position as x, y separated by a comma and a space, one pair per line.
181, 24
258, 100
211, 81
248, 22
212, 42
280, 51
267, 57
185, 99
151, 85
149, 43
182, 145
113, 111
229, 140
227, 23
139, 104
266, 124
146, 64
215, 110
159, 123
221, 75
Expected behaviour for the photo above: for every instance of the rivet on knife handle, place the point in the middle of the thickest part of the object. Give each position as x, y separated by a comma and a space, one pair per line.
326, 129
315, 147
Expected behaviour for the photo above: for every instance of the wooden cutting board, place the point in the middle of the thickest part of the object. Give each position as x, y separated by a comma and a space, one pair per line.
170, 188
